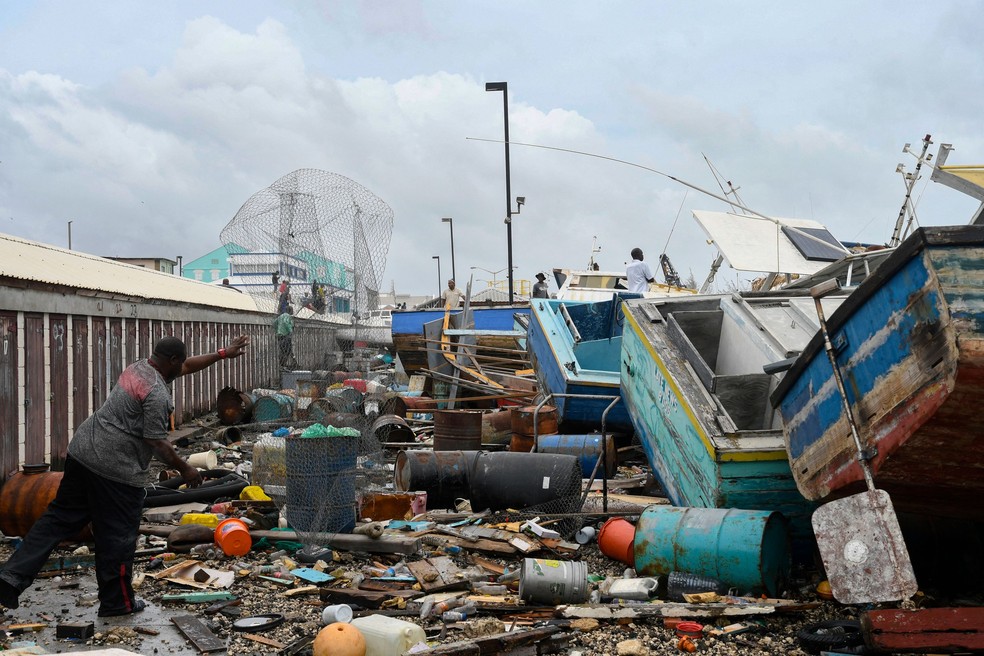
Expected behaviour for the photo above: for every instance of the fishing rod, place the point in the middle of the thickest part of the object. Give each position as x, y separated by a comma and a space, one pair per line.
723, 199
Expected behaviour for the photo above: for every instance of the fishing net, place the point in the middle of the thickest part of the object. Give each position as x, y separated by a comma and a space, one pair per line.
325, 237
316, 472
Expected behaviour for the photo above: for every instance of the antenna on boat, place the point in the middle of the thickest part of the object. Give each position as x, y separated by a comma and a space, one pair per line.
736, 207
908, 209
595, 248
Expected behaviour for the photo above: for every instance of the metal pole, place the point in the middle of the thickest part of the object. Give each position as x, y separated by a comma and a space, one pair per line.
503, 87
505, 116
454, 273
439, 288
69, 235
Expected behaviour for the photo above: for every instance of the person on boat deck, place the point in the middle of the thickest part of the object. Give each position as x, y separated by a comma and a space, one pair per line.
452, 295
105, 473
639, 273
540, 287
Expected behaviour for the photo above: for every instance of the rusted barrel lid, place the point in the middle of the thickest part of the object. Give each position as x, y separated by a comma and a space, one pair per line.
546, 420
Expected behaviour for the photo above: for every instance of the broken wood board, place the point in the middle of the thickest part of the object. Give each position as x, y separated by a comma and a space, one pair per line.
615, 611
305, 590
925, 630
382, 586
500, 643
365, 598
437, 574
488, 565
388, 543
269, 642
485, 546
198, 634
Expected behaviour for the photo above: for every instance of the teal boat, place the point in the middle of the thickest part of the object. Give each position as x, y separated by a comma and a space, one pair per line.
693, 382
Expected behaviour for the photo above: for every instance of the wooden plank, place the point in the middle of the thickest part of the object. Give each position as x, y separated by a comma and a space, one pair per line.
198, 634
436, 574
270, 642
487, 546
925, 630
365, 598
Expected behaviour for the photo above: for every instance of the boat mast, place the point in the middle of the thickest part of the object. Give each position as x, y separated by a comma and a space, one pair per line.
737, 207
910, 181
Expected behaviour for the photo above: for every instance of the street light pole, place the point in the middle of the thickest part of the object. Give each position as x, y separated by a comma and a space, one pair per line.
503, 87
450, 223
439, 288
69, 235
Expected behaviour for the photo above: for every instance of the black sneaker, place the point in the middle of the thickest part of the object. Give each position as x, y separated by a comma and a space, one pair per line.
138, 605
8, 595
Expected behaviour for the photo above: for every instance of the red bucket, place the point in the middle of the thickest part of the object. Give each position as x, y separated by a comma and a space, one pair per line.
617, 539
357, 384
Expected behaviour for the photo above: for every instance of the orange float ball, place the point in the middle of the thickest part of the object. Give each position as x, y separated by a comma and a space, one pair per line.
339, 639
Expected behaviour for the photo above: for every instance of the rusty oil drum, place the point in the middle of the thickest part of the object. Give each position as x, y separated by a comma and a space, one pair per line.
25, 496
443, 475
497, 427
233, 407
392, 428
457, 430
523, 425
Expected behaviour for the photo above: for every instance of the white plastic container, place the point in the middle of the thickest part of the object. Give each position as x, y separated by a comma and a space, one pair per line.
386, 636
637, 589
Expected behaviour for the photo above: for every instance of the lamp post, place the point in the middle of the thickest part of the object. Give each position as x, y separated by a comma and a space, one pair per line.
439, 288
69, 235
450, 223
491, 273
503, 87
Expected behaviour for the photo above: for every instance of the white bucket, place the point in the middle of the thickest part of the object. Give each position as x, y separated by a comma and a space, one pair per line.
636, 589
386, 636
203, 460
336, 613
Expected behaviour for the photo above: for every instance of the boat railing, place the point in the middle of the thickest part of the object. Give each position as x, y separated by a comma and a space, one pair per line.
602, 460
575, 333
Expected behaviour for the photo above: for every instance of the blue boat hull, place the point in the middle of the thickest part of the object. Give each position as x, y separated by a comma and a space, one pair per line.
910, 347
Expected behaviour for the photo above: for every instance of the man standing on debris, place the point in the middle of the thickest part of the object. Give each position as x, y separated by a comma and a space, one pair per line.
284, 326
452, 295
540, 288
639, 273
105, 474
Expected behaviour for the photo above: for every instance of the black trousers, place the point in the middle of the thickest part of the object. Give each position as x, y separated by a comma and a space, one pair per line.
286, 344
114, 509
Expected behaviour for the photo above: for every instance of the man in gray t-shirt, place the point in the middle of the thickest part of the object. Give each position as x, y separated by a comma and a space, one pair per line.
105, 474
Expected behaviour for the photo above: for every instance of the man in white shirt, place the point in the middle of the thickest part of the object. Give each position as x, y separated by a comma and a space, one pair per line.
452, 296
639, 273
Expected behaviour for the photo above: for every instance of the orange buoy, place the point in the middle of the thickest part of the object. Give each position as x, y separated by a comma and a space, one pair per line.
339, 639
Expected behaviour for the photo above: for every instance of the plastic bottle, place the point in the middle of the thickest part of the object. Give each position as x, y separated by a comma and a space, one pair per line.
204, 550
495, 590
459, 613
426, 609
508, 577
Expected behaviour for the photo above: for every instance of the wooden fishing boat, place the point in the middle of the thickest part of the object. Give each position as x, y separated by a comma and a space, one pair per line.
575, 348
693, 383
910, 346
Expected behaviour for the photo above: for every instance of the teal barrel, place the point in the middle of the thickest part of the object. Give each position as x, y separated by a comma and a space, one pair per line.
586, 448
745, 549
273, 407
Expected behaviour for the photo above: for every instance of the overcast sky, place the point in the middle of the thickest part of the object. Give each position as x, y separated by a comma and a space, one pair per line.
150, 124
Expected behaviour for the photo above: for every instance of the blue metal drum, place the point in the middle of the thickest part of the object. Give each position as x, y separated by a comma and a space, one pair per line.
745, 549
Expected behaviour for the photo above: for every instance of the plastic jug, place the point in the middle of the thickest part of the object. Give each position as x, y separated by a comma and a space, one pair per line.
386, 636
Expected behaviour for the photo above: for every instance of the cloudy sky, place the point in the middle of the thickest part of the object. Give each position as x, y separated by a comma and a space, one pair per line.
150, 124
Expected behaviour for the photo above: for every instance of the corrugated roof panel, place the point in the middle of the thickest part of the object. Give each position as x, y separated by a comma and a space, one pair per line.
29, 260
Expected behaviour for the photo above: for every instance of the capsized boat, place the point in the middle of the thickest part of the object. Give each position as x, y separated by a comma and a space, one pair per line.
574, 348
910, 346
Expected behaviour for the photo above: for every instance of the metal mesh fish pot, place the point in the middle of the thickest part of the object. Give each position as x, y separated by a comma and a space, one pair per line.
321, 481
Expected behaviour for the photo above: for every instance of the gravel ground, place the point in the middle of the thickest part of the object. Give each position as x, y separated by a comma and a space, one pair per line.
303, 614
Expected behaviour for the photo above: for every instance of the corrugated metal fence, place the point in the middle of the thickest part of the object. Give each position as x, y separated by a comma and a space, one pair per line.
60, 354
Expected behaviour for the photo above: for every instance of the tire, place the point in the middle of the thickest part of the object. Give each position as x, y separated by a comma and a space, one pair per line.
830, 635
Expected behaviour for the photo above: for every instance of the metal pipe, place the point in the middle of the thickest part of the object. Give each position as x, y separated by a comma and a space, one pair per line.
575, 333
818, 292
504, 88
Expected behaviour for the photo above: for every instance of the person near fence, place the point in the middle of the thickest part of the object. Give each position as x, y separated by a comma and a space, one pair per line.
105, 473
284, 326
